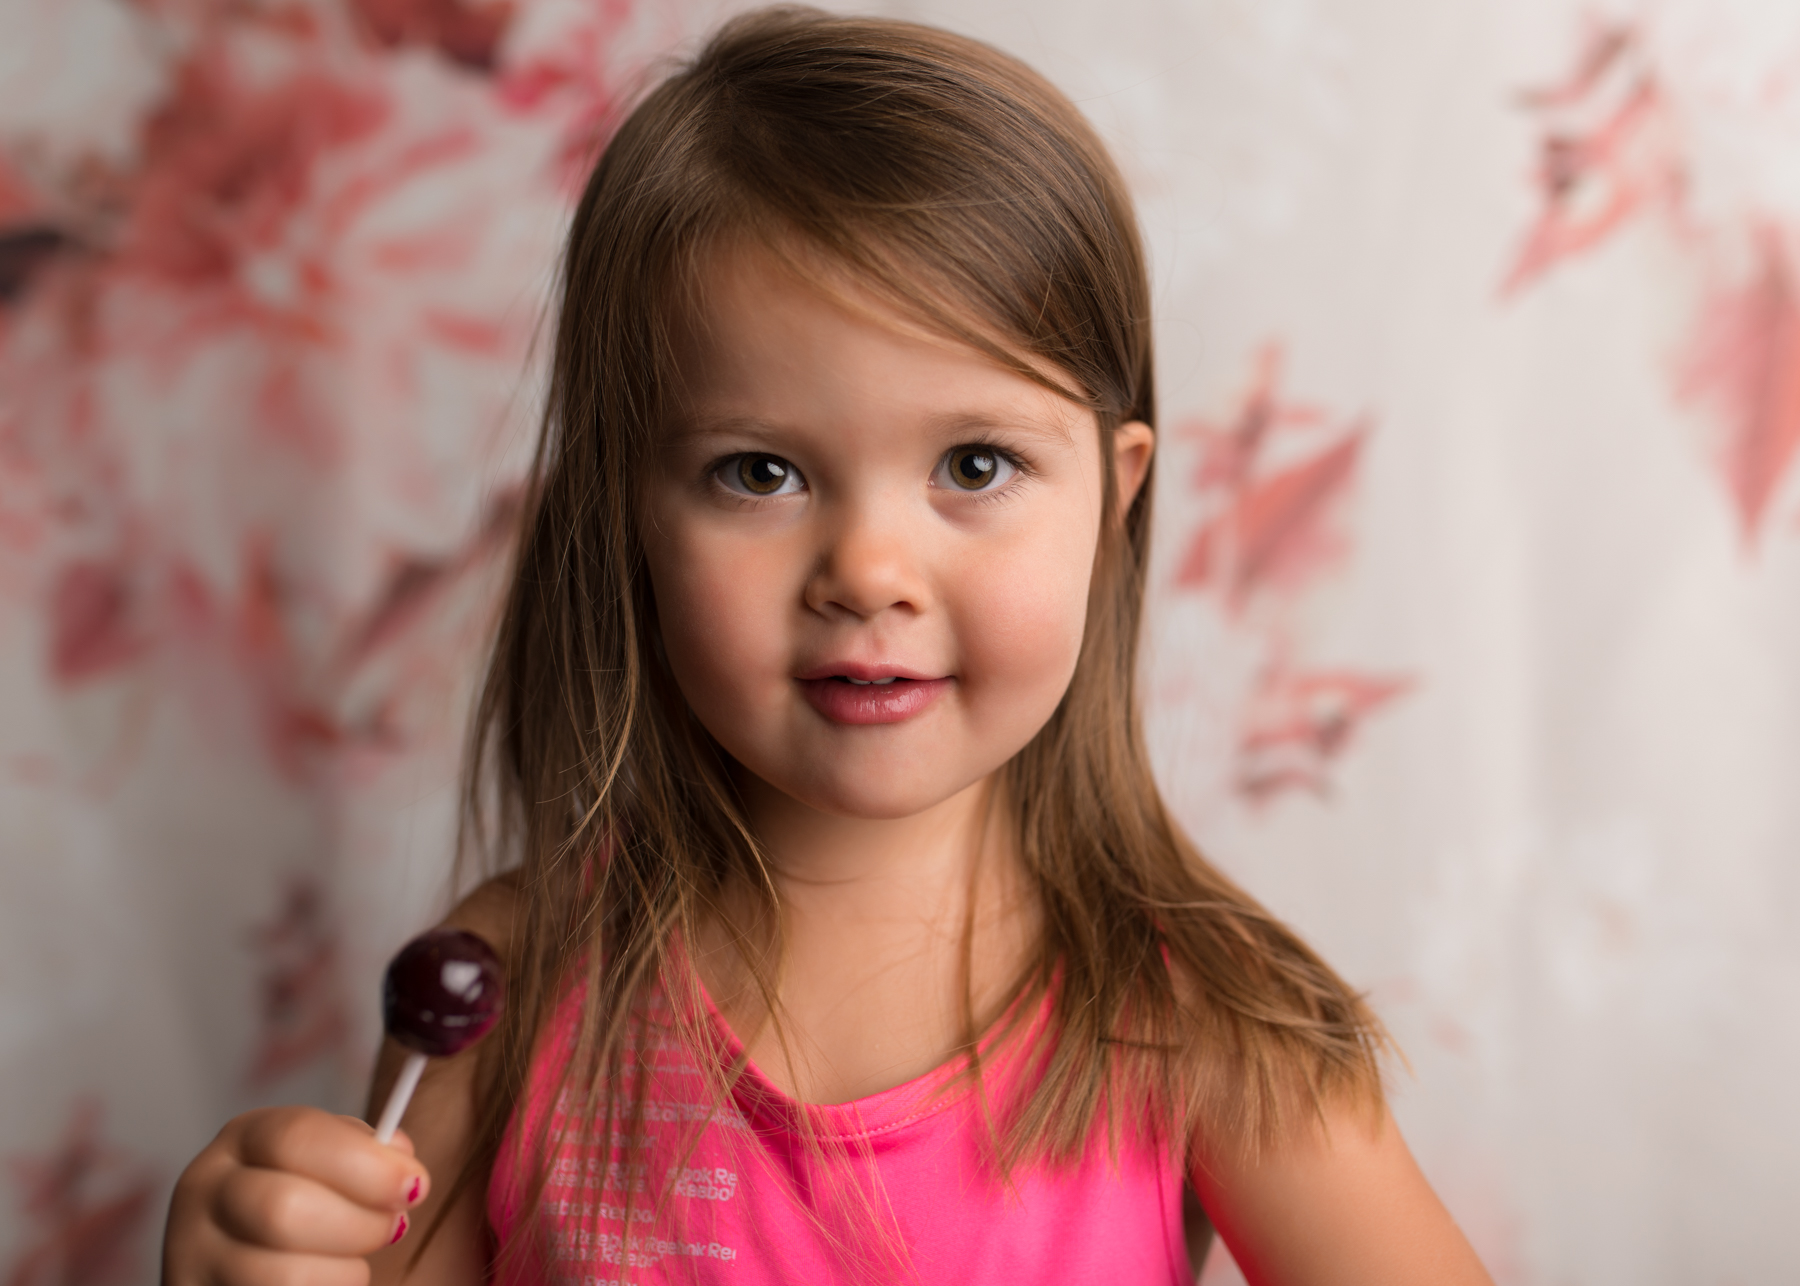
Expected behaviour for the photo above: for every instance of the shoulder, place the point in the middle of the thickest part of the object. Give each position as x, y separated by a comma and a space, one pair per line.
1339, 1201
1292, 1149
1270, 1036
494, 912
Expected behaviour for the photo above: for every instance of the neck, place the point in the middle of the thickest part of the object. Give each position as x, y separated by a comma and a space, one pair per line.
896, 935
922, 866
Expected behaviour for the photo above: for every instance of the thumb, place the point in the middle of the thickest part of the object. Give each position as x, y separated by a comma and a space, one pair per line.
401, 1142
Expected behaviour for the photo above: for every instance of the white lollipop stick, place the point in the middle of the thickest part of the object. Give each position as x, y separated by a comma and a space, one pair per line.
399, 1097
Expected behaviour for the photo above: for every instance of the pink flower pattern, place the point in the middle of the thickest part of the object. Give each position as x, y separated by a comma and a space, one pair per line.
302, 1014
1604, 155
87, 1206
468, 33
1269, 486
1611, 152
1743, 363
265, 398
269, 247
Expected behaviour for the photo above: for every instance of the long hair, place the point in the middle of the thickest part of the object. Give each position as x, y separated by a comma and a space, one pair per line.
960, 186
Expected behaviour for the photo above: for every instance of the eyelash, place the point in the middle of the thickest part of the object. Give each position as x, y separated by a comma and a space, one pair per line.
992, 495
717, 471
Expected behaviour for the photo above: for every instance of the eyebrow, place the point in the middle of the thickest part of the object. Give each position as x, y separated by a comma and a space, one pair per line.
981, 422
950, 424
684, 428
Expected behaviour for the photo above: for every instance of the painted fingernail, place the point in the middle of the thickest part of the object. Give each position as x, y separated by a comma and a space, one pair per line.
412, 1193
399, 1230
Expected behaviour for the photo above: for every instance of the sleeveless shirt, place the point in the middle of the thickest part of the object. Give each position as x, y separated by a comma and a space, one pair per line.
895, 1187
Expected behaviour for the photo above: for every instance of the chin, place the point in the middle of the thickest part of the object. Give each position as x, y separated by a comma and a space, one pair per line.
873, 795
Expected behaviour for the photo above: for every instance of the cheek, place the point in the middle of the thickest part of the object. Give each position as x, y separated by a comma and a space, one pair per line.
719, 605
1024, 620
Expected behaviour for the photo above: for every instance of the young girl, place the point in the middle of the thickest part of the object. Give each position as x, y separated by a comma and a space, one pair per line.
847, 936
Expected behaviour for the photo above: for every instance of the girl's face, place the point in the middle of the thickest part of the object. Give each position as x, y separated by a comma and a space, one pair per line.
870, 546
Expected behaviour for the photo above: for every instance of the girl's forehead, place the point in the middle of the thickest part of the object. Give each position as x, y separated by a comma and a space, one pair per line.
767, 345
756, 299
740, 271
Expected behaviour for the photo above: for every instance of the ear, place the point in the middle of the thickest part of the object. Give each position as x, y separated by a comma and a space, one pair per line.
1134, 443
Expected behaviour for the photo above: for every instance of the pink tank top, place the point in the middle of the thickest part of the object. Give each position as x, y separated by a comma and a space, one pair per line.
893, 1187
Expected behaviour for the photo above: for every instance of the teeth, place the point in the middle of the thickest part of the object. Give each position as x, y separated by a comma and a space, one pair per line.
880, 683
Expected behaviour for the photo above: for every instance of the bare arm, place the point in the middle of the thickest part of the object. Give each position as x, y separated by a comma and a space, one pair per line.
1343, 1205
441, 1122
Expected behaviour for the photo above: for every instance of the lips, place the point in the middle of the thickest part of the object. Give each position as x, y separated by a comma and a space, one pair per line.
860, 695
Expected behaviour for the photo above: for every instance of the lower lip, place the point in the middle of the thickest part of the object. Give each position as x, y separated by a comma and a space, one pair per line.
865, 703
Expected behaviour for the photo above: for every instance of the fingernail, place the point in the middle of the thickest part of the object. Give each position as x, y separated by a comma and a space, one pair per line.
412, 1193
399, 1230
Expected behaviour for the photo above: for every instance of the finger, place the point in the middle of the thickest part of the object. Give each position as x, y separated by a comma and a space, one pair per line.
338, 1152
283, 1211
402, 1141
241, 1265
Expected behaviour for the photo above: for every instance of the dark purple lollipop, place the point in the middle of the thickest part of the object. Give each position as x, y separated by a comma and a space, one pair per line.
442, 993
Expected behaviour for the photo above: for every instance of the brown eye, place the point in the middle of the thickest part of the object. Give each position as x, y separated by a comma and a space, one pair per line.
762, 475
973, 468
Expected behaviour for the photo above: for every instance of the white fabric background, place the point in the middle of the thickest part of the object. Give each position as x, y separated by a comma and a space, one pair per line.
1485, 677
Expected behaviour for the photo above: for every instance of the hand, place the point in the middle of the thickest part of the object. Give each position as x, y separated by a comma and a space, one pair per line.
290, 1196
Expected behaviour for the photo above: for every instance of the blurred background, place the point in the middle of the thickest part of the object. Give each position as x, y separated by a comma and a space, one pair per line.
1476, 639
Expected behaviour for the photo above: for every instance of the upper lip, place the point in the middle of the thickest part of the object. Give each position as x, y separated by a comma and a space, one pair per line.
859, 670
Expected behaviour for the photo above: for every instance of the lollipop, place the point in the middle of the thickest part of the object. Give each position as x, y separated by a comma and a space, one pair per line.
442, 993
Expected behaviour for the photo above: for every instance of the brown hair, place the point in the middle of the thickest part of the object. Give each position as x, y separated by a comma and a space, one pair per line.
960, 185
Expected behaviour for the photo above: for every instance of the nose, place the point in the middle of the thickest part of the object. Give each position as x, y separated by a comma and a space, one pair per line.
868, 563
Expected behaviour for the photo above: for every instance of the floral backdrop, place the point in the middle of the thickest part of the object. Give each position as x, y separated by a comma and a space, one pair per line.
1475, 623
